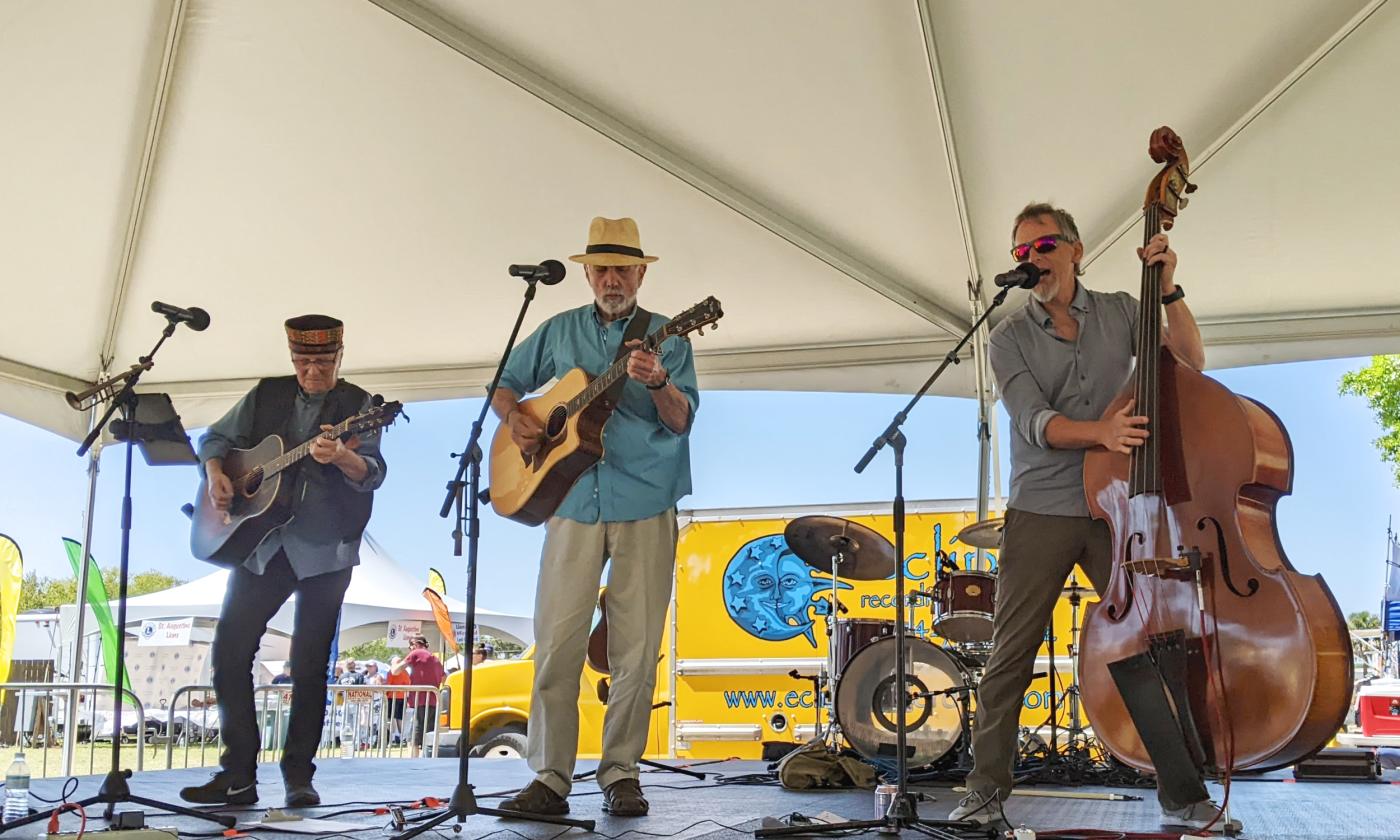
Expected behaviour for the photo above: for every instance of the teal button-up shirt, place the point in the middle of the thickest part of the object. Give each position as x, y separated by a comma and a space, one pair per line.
645, 468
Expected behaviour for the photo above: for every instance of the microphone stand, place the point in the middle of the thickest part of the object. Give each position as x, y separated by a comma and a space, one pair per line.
464, 493
114, 789
902, 812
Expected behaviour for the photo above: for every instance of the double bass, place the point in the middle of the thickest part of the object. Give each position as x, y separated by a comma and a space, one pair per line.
1207, 645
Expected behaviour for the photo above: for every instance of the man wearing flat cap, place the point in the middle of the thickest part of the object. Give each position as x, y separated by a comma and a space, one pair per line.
312, 555
622, 512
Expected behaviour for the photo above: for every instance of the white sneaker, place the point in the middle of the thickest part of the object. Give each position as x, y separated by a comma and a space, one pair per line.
1199, 815
975, 807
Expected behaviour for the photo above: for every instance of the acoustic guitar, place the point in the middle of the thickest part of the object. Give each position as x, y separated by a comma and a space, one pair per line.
529, 488
262, 500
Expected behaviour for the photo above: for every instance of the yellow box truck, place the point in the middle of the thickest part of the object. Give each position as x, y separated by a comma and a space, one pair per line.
746, 615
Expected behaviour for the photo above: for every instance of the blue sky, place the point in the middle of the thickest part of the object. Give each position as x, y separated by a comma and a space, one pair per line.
748, 448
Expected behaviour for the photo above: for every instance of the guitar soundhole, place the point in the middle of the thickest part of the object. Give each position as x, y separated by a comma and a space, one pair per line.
250, 487
558, 417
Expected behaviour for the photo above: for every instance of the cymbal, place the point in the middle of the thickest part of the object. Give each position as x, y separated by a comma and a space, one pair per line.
984, 534
865, 555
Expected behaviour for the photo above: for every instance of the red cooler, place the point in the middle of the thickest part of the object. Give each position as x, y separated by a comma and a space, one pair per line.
1380, 707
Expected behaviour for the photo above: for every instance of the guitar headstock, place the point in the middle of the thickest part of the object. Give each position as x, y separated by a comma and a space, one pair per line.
376, 417
703, 314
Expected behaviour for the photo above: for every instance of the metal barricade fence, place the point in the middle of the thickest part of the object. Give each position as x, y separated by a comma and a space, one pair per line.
361, 721
43, 710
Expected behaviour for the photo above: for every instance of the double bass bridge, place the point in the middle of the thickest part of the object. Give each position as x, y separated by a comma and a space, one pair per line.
1184, 565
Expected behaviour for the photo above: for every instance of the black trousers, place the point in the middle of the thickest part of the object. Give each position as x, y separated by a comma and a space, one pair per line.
249, 604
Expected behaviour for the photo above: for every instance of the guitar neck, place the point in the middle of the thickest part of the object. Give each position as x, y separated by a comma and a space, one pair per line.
609, 377
291, 456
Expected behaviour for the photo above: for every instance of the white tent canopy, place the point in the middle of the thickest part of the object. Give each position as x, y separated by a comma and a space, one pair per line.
380, 591
834, 172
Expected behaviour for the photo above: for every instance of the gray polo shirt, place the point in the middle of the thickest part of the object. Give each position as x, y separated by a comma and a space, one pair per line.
1041, 375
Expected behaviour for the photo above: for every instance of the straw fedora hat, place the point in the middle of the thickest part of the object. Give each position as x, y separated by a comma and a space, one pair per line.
613, 242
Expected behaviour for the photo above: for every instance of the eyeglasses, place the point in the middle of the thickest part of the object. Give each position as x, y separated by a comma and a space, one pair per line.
1042, 245
320, 364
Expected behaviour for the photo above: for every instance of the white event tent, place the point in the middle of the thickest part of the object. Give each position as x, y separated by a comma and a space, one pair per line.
834, 172
380, 591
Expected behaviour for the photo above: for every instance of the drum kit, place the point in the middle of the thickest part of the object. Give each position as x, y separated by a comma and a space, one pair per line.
859, 694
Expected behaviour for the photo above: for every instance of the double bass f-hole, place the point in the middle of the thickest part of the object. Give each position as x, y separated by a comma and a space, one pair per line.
1224, 554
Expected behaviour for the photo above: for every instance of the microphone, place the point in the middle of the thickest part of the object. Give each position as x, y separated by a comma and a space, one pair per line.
1024, 275
548, 272
197, 318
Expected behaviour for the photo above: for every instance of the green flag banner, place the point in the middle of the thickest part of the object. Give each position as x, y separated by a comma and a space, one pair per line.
97, 599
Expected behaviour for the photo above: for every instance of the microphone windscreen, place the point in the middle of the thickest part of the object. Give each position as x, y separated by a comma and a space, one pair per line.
199, 319
556, 272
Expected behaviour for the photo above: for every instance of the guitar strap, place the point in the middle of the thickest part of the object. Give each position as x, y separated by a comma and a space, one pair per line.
636, 331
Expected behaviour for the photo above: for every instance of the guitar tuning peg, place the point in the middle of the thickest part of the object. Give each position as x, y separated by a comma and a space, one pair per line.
1190, 187
699, 330
1183, 201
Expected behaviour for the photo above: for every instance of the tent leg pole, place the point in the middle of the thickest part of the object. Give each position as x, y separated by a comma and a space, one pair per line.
70, 724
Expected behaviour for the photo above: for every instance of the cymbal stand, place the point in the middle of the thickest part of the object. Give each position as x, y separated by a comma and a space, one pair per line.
833, 668
1076, 729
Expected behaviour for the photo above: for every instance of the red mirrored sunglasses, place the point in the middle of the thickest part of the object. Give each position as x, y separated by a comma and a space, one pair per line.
1042, 245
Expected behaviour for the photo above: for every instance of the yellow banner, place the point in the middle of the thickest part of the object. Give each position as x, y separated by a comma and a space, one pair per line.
11, 580
436, 583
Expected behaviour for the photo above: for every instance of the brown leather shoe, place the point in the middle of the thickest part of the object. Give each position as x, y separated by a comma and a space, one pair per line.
537, 798
623, 798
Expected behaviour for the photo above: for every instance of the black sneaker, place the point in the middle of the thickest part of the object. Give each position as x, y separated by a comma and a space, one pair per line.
301, 794
222, 789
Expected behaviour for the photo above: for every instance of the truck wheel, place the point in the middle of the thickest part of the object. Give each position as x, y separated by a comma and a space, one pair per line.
506, 742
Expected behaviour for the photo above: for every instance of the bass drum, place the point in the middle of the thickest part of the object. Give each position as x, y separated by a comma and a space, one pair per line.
866, 710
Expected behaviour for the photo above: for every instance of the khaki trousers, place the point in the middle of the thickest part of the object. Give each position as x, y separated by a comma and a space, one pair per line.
643, 555
1038, 552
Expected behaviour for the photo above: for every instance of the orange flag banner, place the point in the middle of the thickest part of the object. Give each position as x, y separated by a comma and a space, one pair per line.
442, 617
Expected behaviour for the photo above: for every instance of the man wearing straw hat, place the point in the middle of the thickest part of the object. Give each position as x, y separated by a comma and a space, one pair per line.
311, 556
621, 511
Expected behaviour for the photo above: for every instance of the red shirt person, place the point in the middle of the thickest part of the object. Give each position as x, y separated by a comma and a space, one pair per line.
425, 669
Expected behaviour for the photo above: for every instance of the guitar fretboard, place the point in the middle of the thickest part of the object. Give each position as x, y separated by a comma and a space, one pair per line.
607, 378
291, 456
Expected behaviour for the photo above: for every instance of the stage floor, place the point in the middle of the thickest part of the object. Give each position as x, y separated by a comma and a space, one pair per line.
1276, 807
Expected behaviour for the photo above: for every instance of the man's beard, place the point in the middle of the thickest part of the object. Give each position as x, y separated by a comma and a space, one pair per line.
616, 305
1045, 290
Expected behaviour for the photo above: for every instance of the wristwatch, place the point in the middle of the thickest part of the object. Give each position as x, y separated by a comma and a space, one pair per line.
1174, 296
663, 384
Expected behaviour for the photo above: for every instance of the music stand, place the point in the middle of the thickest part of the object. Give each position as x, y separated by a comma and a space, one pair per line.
150, 421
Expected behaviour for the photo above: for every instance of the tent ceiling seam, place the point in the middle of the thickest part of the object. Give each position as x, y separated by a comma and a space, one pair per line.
1251, 115
575, 107
950, 150
146, 167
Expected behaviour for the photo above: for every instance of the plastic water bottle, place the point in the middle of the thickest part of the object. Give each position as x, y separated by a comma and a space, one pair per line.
17, 789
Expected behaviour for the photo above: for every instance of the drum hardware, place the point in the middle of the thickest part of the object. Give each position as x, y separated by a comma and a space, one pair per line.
837, 546
1076, 728
818, 681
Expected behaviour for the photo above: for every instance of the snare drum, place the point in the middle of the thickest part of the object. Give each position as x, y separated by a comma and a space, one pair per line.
963, 605
852, 634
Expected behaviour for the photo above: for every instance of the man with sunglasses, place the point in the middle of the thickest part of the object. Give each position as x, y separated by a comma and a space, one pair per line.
1059, 361
312, 556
